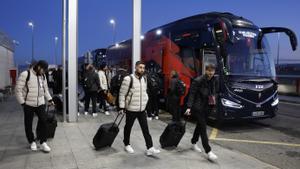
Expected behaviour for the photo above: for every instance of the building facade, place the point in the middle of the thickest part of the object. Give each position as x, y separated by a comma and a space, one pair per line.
6, 60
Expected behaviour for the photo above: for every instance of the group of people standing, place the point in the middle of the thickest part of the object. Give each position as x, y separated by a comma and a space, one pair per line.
133, 100
96, 87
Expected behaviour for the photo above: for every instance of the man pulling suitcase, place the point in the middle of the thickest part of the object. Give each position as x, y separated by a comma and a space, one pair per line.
132, 101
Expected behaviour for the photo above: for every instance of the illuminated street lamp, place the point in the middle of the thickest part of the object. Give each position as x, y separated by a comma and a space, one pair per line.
113, 23
30, 24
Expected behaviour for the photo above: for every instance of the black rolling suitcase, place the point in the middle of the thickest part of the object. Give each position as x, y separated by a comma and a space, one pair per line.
106, 134
172, 134
51, 124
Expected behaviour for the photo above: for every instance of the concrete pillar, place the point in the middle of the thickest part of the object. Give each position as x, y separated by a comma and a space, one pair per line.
72, 59
136, 39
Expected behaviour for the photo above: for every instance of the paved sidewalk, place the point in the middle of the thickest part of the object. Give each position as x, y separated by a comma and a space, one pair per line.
72, 148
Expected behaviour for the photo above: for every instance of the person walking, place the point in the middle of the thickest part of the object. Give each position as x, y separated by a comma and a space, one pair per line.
92, 87
153, 90
133, 99
201, 98
104, 88
32, 93
174, 97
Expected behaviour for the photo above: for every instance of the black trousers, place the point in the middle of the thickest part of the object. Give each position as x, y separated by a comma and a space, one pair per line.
200, 130
28, 119
88, 96
152, 106
102, 101
130, 118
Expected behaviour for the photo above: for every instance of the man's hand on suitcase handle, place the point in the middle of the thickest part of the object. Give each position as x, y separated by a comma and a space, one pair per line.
51, 103
187, 112
121, 111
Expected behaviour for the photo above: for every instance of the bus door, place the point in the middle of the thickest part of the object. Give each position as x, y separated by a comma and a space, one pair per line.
209, 57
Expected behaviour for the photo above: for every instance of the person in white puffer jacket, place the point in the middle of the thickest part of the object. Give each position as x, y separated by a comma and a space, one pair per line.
104, 88
133, 99
31, 92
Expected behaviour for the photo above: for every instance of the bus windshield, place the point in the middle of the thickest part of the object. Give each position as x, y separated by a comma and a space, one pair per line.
245, 59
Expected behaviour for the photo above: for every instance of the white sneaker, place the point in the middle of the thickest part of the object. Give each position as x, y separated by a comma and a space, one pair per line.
129, 149
212, 156
196, 148
33, 146
86, 113
107, 113
156, 117
45, 147
152, 151
95, 114
149, 118
78, 114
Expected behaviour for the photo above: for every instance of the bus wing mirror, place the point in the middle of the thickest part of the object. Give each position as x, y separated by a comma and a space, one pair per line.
223, 31
266, 30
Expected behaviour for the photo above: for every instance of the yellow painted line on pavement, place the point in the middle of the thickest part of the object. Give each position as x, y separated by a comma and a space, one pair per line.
213, 134
256, 142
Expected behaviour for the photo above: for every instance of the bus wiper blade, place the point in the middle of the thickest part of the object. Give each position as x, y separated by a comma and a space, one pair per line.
255, 80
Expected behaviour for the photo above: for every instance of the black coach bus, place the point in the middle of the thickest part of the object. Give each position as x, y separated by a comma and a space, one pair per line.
239, 49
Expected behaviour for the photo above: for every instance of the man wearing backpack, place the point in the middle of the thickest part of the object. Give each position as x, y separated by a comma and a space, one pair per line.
176, 90
116, 83
202, 96
153, 91
31, 91
133, 99
91, 84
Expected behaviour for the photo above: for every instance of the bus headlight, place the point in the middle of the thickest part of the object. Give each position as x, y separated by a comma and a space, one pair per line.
275, 102
228, 103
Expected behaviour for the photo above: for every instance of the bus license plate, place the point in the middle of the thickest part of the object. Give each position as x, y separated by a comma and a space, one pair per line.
258, 113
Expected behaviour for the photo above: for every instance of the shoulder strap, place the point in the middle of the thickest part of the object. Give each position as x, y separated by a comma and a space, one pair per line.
130, 85
26, 84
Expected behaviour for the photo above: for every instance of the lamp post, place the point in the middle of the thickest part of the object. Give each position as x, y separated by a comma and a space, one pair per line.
30, 24
55, 52
113, 23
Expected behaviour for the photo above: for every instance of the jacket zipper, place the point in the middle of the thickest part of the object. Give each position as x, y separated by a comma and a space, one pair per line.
141, 92
38, 90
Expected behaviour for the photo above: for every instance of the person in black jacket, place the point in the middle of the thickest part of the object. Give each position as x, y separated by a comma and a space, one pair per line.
92, 87
174, 98
202, 94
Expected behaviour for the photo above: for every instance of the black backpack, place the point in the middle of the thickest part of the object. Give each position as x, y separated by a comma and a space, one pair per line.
153, 84
180, 87
87, 82
115, 83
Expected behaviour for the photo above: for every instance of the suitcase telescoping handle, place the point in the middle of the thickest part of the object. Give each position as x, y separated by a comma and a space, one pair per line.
117, 119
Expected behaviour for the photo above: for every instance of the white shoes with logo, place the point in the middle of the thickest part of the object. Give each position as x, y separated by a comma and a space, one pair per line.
95, 114
106, 113
45, 147
129, 149
212, 156
86, 113
33, 146
151, 151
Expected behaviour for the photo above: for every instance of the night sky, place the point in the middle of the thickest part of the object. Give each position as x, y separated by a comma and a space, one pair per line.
95, 30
